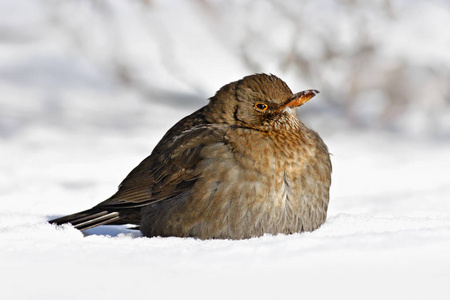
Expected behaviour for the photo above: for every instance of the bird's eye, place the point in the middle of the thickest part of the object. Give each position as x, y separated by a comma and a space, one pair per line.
261, 106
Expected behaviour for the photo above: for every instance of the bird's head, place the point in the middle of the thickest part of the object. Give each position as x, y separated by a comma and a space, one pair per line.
258, 101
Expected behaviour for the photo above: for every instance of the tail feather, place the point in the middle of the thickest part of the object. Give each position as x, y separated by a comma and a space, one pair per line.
88, 219
102, 220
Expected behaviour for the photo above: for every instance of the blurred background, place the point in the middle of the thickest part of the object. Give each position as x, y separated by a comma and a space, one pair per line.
97, 64
88, 87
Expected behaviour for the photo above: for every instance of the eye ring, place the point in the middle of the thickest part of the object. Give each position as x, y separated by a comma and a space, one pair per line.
261, 106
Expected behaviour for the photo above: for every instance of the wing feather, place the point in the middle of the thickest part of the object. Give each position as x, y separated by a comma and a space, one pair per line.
169, 171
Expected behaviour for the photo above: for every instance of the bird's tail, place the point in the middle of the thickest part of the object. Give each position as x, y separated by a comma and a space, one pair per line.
89, 218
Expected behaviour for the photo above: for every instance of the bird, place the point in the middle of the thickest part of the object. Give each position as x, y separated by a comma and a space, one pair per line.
240, 167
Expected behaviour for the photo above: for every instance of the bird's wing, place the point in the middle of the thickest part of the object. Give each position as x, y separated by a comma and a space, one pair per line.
169, 171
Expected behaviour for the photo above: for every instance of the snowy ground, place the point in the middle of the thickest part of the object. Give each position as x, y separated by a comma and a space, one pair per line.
387, 234
69, 134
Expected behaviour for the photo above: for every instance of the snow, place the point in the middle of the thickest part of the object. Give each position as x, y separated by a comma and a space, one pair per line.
387, 234
70, 132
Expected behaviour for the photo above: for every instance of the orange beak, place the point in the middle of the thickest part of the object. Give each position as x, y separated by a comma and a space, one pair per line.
300, 99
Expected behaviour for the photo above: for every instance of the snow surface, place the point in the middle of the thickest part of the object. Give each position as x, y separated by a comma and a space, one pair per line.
69, 134
387, 234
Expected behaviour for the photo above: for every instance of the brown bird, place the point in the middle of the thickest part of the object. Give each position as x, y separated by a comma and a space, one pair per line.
240, 167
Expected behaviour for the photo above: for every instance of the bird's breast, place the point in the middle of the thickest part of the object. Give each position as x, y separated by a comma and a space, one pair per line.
250, 183
287, 172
